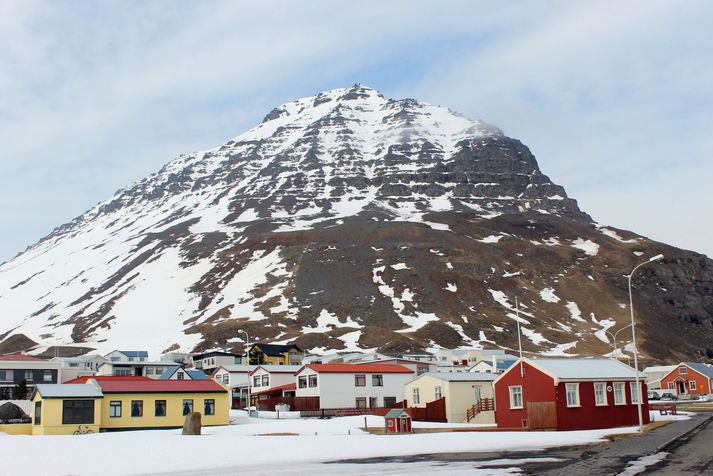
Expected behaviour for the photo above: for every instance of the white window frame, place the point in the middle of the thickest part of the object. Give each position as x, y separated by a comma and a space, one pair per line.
623, 393
604, 394
634, 393
567, 388
682, 370
512, 393
416, 396
692, 385
438, 392
671, 386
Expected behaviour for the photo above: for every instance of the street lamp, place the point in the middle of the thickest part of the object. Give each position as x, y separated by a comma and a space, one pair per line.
613, 336
247, 354
633, 339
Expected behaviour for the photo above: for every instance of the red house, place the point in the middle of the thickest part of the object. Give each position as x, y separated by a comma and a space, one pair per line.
568, 394
398, 420
689, 378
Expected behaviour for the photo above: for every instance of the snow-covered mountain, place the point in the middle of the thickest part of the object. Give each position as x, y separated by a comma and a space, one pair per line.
349, 221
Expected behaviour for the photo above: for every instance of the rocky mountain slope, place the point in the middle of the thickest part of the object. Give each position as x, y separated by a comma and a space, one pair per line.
350, 221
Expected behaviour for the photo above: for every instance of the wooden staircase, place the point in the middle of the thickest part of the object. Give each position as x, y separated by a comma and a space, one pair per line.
482, 405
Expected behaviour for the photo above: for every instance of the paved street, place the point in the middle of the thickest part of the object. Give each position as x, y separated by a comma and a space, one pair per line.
691, 455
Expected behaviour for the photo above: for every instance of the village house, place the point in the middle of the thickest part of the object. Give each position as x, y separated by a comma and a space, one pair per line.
468, 396
209, 361
275, 354
237, 379
179, 373
568, 394
135, 368
109, 403
353, 385
264, 377
17, 368
495, 364
688, 379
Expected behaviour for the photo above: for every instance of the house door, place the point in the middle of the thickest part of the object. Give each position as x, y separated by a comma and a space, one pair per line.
681, 387
138, 371
541, 415
478, 393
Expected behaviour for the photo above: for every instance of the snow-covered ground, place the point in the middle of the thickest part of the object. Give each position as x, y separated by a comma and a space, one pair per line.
260, 446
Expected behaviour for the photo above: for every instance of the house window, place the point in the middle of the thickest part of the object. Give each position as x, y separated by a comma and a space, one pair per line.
515, 397
373, 402
302, 381
671, 386
115, 409
47, 376
600, 394
226, 378
572, 390
159, 370
74, 364
209, 407
76, 412
179, 376
312, 380
160, 408
238, 360
360, 380
122, 372
377, 380
437, 392
187, 407
634, 393
38, 413
6, 375
416, 397
29, 375
137, 408
256, 381
619, 394
265, 380
682, 370
131, 359
692, 384
361, 402
389, 402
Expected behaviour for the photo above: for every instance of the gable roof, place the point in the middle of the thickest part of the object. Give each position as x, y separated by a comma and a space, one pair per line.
192, 374
396, 412
235, 369
275, 350
17, 356
63, 390
571, 369
358, 368
704, 369
160, 386
213, 353
460, 376
134, 353
103, 378
278, 369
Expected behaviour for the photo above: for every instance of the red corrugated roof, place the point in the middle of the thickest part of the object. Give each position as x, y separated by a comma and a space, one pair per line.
289, 386
106, 378
19, 356
159, 386
360, 368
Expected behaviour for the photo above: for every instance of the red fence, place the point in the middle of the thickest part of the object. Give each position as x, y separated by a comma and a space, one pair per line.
434, 411
297, 404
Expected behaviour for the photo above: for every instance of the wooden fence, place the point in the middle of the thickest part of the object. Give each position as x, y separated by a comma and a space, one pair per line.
296, 404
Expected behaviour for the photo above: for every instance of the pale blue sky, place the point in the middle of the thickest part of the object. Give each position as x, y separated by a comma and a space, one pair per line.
614, 98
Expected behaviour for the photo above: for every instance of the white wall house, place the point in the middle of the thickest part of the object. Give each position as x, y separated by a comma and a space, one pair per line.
353, 385
127, 356
417, 367
269, 376
209, 361
461, 390
146, 369
655, 373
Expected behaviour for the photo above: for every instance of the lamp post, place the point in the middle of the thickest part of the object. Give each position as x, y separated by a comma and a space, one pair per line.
247, 354
613, 336
633, 339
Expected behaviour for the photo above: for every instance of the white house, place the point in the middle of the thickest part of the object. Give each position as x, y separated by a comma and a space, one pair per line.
127, 356
264, 377
209, 361
236, 377
79, 366
655, 373
417, 367
135, 368
496, 364
462, 391
353, 385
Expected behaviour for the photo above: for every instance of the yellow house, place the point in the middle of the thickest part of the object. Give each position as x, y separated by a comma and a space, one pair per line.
107, 403
274, 354
462, 390
62, 409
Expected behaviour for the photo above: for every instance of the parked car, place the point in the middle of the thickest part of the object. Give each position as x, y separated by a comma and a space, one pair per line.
654, 396
668, 396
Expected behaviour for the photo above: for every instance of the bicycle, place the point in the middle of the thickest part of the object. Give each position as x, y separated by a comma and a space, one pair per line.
85, 431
